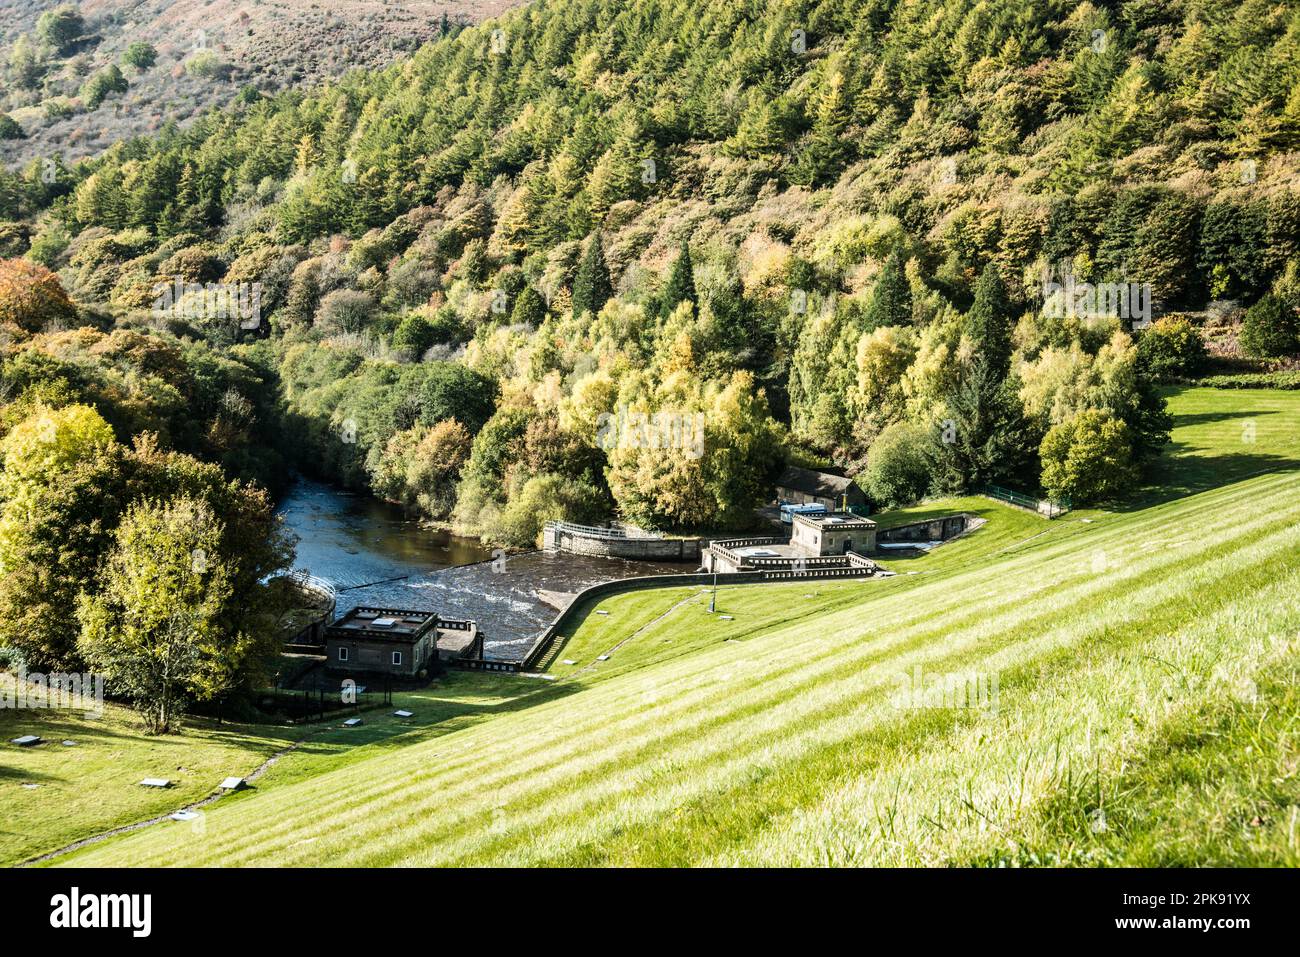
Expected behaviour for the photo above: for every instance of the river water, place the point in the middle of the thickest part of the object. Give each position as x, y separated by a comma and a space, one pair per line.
353, 540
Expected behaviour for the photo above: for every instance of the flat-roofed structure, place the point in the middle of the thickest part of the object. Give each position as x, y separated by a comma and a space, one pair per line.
835, 533
834, 542
395, 641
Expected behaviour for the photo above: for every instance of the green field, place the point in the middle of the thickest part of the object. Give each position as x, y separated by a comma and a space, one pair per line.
1145, 709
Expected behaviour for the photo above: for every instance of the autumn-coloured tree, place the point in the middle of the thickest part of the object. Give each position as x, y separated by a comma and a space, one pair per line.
31, 297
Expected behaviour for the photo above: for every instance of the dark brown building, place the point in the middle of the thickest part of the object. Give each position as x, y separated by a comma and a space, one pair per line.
392, 641
810, 487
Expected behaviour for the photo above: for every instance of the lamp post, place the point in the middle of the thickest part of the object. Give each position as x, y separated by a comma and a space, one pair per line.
713, 598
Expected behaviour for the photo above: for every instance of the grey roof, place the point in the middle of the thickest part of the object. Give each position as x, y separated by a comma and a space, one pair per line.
811, 482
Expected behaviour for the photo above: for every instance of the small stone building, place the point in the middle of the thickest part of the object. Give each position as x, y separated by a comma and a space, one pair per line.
836, 533
808, 486
383, 641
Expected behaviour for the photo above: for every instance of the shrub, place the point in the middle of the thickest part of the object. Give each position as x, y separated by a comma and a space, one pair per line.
414, 334
97, 89
1088, 458
11, 658
1270, 329
9, 128
192, 264
1171, 348
207, 65
140, 55
58, 108
49, 245
1253, 380
13, 240
60, 27
546, 498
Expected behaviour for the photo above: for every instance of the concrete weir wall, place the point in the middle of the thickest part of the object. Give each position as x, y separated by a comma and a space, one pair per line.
582, 602
608, 544
932, 530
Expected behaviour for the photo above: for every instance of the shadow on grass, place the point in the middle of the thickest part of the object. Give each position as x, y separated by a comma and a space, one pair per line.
9, 773
1194, 464
1177, 478
450, 704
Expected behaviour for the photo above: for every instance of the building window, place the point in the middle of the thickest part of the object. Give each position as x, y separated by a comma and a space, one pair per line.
397, 657
343, 654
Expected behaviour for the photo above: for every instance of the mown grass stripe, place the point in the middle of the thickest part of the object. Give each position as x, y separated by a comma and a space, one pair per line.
696, 685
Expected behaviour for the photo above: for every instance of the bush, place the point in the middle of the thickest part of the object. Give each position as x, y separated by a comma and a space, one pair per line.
9, 128
897, 471
97, 89
1171, 348
193, 264
205, 64
49, 245
1270, 330
11, 658
546, 498
1253, 380
451, 391
14, 240
1088, 458
58, 108
60, 27
140, 55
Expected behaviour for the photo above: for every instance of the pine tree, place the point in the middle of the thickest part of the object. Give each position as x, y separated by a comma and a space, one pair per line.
681, 283
891, 299
529, 309
305, 154
826, 150
591, 286
988, 324
187, 214
985, 437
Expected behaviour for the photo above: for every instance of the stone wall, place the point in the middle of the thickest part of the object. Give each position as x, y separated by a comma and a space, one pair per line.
639, 548
932, 530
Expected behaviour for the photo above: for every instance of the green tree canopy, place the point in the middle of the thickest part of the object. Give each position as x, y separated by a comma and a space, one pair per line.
154, 629
591, 285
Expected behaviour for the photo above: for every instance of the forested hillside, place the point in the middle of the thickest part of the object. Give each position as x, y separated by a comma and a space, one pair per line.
918, 240
77, 76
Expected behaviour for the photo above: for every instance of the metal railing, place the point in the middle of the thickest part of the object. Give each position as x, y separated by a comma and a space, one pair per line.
596, 531
311, 583
1042, 506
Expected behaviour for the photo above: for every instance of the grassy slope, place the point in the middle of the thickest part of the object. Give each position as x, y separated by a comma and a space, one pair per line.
95, 785
1138, 656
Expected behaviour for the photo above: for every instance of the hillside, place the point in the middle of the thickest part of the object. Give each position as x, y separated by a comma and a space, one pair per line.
206, 50
595, 260
1145, 666
836, 233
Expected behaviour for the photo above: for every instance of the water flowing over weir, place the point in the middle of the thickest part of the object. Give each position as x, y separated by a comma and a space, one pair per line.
353, 540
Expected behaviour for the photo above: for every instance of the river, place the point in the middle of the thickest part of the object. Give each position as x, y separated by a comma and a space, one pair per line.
352, 540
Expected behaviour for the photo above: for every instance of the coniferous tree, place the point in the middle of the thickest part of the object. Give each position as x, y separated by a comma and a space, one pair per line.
591, 286
891, 299
681, 283
985, 437
988, 324
529, 308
